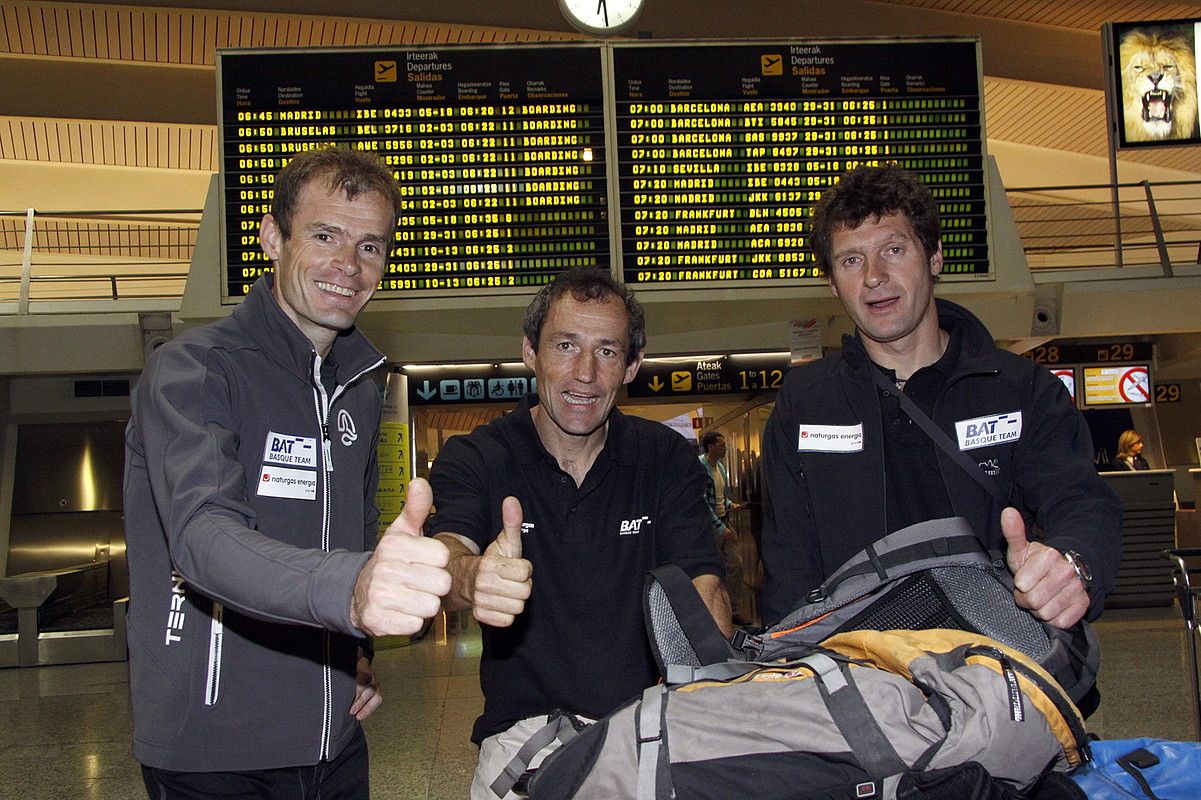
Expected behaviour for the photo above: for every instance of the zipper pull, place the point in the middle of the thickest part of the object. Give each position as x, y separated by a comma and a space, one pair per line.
326, 451
1017, 708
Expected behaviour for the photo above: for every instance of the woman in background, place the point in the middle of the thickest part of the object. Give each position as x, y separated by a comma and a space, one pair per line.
1130, 448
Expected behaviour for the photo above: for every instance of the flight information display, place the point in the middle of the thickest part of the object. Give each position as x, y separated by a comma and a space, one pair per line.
722, 149
500, 155
673, 164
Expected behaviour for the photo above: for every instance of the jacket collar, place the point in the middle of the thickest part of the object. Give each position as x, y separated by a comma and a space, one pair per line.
274, 333
978, 352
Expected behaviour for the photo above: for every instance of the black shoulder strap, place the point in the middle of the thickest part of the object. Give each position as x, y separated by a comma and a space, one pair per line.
940, 437
678, 620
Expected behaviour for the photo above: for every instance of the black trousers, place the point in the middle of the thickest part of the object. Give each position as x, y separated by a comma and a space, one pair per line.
344, 778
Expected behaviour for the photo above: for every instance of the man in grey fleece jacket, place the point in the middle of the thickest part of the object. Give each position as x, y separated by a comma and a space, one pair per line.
255, 575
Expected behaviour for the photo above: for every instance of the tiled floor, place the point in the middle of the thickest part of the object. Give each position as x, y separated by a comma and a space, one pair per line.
65, 731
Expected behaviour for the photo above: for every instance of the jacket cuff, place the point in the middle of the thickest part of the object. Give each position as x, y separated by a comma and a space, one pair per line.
332, 589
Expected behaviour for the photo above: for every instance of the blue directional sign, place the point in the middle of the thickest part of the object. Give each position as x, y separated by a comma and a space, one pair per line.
473, 389
453, 385
507, 388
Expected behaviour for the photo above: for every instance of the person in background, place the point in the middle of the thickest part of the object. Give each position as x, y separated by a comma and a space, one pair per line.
1130, 449
713, 459
553, 515
250, 517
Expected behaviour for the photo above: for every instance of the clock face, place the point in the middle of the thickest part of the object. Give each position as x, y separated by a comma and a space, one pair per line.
601, 16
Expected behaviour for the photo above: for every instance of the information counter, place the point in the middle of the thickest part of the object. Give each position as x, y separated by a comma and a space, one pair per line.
1148, 528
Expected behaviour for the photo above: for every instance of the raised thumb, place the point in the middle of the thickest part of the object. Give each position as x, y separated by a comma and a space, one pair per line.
1013, 528
418, 501
510, 536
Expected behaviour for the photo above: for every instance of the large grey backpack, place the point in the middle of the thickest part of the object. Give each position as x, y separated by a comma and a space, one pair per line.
911, 674
897, 715
931, 575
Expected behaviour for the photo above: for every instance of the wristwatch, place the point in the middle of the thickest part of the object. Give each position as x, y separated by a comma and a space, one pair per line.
1081, 566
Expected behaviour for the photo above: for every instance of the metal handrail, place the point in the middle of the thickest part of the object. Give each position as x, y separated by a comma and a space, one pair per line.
1152, 224
1063, 227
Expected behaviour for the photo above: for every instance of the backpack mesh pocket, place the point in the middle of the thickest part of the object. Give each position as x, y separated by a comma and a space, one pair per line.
917, 603
670, 642
958, 598
986, 606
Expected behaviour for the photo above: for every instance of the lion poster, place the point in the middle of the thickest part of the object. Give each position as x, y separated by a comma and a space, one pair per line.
1157, 75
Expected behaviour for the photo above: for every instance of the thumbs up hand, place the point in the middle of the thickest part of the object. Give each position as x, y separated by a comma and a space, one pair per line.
403, 582
501, 583
1044, 582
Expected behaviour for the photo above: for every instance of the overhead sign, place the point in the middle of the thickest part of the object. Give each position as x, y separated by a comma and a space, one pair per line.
675, 162
724, 148
1062, 352
499, 152
1167, 392
681, 377
460, 385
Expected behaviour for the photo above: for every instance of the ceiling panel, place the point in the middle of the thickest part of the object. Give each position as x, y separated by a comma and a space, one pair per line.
191, 36
1086, 15
111, 143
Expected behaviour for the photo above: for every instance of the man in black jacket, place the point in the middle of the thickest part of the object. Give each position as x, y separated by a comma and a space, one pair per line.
844, 463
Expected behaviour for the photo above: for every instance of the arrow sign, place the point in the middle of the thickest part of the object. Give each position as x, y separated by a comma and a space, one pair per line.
479, 383
655, 384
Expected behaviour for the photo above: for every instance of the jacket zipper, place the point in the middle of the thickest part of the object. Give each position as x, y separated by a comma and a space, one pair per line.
212, 683
323, 404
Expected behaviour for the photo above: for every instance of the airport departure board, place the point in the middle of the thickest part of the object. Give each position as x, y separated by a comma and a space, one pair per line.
723, 149
499, 152
676, 164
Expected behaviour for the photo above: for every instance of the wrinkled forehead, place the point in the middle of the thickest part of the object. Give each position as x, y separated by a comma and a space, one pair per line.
896, 223
604, 317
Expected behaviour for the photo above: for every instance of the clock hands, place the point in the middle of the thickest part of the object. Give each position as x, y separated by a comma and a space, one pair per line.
601, 5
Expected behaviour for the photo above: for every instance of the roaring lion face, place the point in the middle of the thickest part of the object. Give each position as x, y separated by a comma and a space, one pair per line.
1159, 86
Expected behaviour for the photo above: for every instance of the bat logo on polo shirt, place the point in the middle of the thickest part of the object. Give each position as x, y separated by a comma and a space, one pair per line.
630, 527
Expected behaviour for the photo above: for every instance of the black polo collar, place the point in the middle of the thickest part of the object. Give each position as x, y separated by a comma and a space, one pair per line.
620, 440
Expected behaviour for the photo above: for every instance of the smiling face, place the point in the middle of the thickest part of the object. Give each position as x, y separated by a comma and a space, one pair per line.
329, 267
885, 280
580, 364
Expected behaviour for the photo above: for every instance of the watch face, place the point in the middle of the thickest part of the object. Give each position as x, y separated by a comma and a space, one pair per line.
601, 16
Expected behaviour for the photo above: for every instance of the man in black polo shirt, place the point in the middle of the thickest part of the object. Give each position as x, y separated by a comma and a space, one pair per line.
845, 465
554, 513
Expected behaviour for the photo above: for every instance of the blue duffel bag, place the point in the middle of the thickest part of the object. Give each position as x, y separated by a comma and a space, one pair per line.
1146, 769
